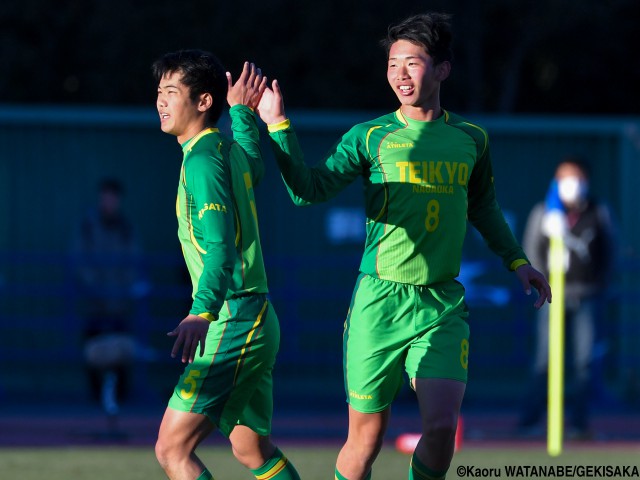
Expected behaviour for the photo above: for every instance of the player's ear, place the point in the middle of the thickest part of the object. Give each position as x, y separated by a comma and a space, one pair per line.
206, 100
443, 69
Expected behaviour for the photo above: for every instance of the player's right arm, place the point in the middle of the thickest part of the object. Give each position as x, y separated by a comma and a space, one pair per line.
245, 133
307, 185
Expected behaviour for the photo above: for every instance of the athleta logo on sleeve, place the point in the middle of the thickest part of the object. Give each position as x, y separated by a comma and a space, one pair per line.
211, 206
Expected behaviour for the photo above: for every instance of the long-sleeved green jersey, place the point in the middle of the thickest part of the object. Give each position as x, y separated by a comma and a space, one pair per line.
422, 181
217, 217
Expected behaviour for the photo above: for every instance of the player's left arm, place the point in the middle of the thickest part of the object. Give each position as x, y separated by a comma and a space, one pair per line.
485, 215
243, 97
245, 133
207, 177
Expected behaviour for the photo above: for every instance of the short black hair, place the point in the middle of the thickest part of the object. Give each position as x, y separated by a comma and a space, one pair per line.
202, 72
429, 30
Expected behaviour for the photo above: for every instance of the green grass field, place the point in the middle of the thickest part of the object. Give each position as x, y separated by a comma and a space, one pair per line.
313, 463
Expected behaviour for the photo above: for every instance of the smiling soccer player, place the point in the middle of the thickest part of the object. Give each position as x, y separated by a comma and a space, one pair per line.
425, 172
232, 324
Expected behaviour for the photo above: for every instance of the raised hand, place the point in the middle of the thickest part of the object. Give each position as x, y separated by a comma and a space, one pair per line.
249, 87
271, 105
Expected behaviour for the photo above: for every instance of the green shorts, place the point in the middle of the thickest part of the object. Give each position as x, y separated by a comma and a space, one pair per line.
393, 326
232, 383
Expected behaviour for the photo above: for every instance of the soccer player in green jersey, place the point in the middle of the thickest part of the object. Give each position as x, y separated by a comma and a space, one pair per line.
227, 386
426, 171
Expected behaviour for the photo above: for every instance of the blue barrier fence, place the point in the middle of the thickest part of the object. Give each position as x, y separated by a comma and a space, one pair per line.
41, 328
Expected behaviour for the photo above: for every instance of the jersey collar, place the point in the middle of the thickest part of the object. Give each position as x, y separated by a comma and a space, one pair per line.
189, 144
418, 125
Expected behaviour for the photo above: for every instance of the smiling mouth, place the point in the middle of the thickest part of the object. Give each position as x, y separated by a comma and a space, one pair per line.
405, 89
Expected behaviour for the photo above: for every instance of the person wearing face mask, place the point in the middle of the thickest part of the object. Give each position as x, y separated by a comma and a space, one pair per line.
586, 228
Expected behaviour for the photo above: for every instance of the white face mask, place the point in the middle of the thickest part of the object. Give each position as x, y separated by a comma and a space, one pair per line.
572, 189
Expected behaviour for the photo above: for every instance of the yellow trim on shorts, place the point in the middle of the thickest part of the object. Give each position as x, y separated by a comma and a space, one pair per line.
253, 330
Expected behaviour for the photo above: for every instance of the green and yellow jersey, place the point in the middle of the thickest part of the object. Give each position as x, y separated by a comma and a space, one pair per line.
422, 182
217, 218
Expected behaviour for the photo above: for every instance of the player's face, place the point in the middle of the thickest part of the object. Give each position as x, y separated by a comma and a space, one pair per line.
413, 76
179, 115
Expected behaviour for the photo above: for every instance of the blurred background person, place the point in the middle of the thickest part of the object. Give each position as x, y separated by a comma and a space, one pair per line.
109, 279
587, 232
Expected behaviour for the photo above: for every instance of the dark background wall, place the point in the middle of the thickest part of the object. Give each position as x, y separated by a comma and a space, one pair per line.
561, 56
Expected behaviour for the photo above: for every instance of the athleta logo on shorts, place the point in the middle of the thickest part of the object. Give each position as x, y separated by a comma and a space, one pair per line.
360, 396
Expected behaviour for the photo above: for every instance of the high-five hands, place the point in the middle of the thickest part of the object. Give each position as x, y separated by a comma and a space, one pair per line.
271, 105
249, 87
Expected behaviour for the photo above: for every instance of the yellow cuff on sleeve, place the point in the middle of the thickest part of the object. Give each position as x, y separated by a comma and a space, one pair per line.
518, 263
208, 316
276, 127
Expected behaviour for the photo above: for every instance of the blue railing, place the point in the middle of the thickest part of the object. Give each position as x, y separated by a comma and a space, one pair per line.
40, 322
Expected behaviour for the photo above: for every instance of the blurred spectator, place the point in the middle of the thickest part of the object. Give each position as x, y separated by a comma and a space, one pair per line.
586, 227
107, 260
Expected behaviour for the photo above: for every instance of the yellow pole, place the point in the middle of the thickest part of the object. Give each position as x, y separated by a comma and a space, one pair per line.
555, 406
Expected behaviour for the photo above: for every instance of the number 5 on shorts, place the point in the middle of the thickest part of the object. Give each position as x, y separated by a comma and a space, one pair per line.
190, 381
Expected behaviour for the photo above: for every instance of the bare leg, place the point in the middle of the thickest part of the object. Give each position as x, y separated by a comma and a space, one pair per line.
364, 441
440, 401
180, 433
249, 448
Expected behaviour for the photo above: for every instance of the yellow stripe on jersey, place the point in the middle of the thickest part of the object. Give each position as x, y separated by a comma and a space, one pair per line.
249, 185
367, 140
188, 213
249, 337
193, 237
197, 138
400, 116
239, 227
386, 196
484, 133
